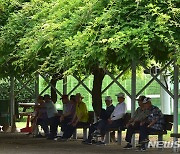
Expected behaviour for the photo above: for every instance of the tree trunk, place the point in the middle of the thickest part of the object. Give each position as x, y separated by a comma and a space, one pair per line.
96, 91
55, 78
53, 92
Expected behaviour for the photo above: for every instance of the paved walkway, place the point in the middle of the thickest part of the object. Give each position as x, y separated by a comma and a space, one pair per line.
22, 144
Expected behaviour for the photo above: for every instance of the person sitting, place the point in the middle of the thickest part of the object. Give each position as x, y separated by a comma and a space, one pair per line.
104, 115
53, 118
68, 112
42, 118
134, 123
153, 123
80, 117
116, 118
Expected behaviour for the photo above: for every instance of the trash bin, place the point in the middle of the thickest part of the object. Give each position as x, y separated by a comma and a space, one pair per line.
4, 113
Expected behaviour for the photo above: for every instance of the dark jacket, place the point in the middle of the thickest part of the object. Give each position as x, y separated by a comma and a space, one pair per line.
105, 114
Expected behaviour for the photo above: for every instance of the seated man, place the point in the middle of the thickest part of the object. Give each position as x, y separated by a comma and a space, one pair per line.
80, 117
134, 123
105, 114
115, 120
68, 112
53, 118
152, 123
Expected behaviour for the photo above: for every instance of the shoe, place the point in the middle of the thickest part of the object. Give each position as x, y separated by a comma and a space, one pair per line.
50, 137
39, 136
94, 141
128, 146
88, 142
141, 148
60, 139
100, 143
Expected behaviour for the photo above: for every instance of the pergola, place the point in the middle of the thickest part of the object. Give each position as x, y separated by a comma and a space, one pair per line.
133, 94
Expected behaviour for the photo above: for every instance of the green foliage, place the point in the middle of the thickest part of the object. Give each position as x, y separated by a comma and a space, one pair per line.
78, 35
23, 96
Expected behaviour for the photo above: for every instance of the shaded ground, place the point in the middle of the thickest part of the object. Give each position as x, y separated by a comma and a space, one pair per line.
22, 144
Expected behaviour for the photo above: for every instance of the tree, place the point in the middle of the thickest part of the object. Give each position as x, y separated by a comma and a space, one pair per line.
125, 31
88, 37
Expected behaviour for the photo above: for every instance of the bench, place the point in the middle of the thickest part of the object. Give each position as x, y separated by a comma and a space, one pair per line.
167, 127
175, 135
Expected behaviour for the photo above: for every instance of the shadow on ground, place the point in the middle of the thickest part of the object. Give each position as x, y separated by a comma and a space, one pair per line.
22, 144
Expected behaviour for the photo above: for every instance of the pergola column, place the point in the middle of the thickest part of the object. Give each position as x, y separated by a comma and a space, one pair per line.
65, 85
12, 103
36, 88
133, 93
176, 97
36, 97
133, 88
164, 96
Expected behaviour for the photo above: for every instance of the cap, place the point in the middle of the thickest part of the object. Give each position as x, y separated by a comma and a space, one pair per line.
47, 96
120, 95
79, 95
72, 97
108, 98
64, 97
147, 99
141, 98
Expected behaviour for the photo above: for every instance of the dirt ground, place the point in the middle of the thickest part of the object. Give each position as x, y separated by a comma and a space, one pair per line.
18, 143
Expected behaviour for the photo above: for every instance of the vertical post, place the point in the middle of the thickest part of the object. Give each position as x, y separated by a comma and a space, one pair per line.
176, 97
133, 94
65, 85
164, 96
36, 88
119, 137
85, 135
12, 103
107, 138
36, 132
133, 88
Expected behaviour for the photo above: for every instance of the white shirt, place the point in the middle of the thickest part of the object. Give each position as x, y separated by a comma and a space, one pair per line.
119, 111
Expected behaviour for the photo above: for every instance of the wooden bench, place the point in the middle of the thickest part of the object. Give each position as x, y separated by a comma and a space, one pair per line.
167, 127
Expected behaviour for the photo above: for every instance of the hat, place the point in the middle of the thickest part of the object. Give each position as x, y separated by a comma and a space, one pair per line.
79, 95
108, 98
64, 97
47, 96
141, 98
147, 99
72, 97
120, 95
